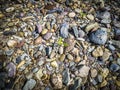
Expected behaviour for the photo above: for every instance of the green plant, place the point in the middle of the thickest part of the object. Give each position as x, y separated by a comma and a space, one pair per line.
61, 42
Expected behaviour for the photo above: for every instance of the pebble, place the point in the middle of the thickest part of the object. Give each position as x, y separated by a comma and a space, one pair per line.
44, 31
81, 33
39, 74
84, 71
52, 54
62, 57
61, 50
39, 28
116, 43
77, 59
118, 61
12, 43
54, 64
47, 36
75, 30
97, 52
29, 85
77, 84
57, 81
71, 14
106, 55
11, 67
100, 78
99, 36
111, 47
90, 17
10, 9
70, 57
114, 67
66, 77
91, 26
64, 30
93, 72
104, 83
48, 50
38, 41
9, 52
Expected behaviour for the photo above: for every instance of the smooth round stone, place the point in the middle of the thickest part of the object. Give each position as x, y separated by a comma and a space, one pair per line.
66, 76
106, 21
118, 61
71, 14
12, 43
61, 50
114, 67
90, 17
29, 85
106, 55
111, 47
10, 9
100, 78
70, 57
81, 33
44, 31
93, 72
62, 57
99, 36
38, 40
77, 59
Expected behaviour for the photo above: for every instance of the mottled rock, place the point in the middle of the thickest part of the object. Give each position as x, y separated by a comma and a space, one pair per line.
75, 31
70, 57
29, 85
39, 74
44, 31
97, 52
93, 72
64, 30
83, 71
62, 57
99, 36
118, 61
61, 50
54, 64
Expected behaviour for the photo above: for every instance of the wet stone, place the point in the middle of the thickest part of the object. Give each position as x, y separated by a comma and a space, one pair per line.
99, 36
30, 84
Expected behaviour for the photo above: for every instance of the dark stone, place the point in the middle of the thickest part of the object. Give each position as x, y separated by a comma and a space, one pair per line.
114, 67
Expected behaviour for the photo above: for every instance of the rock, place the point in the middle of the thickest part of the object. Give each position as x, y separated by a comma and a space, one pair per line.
48, 25
71, 14
29, 85
114, 67
52, 54
10, 9
56, 81
91, 26
61, 50
12, 43
39, 74
116, 43
106, 55
93, 72
44, 31
66, 77
11, 67
118, 61
77, 84
106, 21
99, 36
97, 52
38, 40
75, 31
81, 33
104, 72
117, 33
35, 70
90, 17
111, 47
70, 57
64, 30
77, 59
83, 71
48, 50
39, 28
9, 52
62, 57
104, 83
48, 36
100, 78
54, 64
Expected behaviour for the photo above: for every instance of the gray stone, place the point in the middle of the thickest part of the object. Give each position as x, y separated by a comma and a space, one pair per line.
111, 47
66, 77
114, 67
30, 84
75, 31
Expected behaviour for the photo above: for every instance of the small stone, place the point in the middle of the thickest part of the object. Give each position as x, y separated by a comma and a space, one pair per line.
116, 43
66, 77
118, 82
39, 74
81, 33
48, 50
52, 54
90, 17
54, 64
61, 50
9, 52
77, 84
77, 59
99, 36
21, 64
48, 36
12, 43
75, 30
72, 14
97, 52
93, 72
70, 57
106, 21
1, 15
10, 9
29, 85
114, 67
104, 83
11, 67
100, 78
62, 57
111, 47
38, 40
105, 72
48, 25
35, 70
83, 72
39, 28
118, 61
64, 30
91, 26
56, 81
44, 31
106, 55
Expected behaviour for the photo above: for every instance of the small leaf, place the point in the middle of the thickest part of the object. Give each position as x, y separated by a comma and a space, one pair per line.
65, 44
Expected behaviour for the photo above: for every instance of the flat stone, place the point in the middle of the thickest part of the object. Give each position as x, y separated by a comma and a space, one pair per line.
70, 57
99, 36
44, 31
114, 67
30, 84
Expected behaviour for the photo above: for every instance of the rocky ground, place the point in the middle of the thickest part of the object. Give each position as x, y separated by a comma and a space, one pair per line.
59, 45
